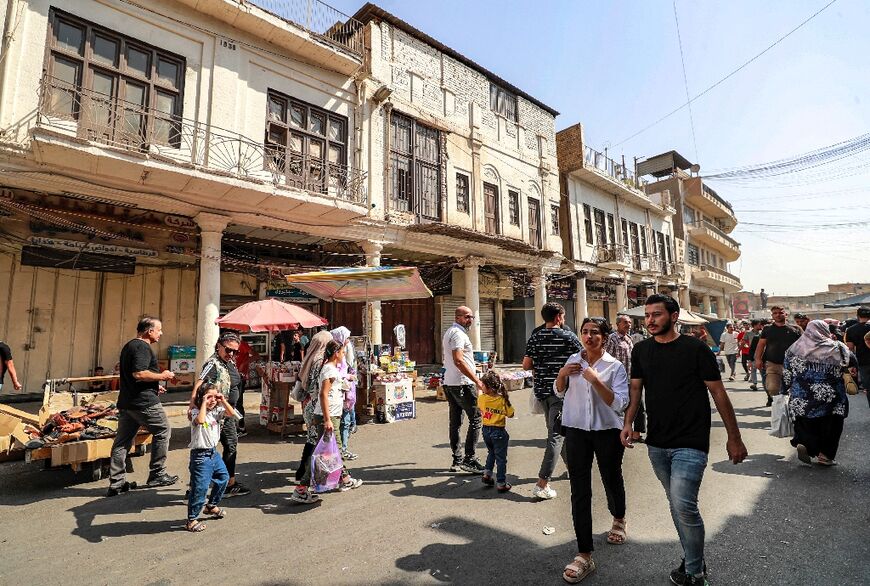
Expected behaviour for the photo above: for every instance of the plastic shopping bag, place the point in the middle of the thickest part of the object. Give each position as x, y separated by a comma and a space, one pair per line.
780, 421
536, 407
326, 464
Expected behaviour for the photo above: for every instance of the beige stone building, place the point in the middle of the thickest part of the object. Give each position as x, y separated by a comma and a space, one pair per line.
621, 239
703, 225
177, 157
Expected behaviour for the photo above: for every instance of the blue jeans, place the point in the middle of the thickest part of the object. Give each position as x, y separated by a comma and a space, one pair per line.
348, 422
680, 470
496, 440
206, 467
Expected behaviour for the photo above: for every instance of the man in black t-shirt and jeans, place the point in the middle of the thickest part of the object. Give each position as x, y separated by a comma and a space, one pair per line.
547, 350
676, 372
139, 406
855, 341
773, 342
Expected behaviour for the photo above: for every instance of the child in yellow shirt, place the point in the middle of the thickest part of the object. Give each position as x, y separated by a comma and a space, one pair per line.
495, 408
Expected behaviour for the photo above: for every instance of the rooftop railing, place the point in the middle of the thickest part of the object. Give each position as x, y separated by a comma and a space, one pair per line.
607, 166
716, 196
318, 19
718, 271
105, 119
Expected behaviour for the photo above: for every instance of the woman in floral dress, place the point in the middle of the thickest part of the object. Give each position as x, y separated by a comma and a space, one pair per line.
813, 378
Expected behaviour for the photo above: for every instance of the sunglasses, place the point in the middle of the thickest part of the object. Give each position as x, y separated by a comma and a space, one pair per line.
229, 351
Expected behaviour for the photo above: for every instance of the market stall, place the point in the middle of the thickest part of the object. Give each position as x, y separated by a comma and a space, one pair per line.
277, 379
387, 389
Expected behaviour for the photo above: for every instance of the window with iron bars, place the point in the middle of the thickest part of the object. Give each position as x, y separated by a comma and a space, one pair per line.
503, 102
514, 207
462, 195
587, 223
554, 220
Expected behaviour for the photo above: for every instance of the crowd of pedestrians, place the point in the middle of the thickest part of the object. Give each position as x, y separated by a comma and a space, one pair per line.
594, 390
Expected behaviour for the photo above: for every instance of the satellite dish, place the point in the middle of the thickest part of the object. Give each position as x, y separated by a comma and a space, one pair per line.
695, 168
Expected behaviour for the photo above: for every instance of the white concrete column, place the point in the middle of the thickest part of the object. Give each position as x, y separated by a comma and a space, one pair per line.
684, 298
373, 319
581, 309
211, 229
621, 297
706, 304
539, 283
721, 306
472, 265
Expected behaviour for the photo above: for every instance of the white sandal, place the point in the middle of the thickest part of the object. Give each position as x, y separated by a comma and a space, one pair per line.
582, 567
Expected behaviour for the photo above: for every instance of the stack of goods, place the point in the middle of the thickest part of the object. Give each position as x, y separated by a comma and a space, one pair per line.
95, 421
514, 379
277, 378
395, 366
182, 361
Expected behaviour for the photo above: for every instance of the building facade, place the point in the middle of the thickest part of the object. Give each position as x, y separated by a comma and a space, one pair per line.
621, 240
703, 223
178, 157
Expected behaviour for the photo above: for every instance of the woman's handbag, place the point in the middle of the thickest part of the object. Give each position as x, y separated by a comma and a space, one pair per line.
780, 422
848, 379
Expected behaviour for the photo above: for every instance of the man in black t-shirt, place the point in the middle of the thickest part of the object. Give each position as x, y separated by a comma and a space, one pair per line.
547, 351
855, 341
7, 365
774, 340
676, 372
139, 406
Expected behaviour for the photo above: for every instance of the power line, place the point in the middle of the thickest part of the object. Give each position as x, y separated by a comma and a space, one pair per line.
686, 81
721, 81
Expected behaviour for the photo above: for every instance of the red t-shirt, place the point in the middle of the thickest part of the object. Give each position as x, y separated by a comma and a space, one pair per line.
744, 348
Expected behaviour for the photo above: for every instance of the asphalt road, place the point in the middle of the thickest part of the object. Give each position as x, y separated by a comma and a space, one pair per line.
768, 520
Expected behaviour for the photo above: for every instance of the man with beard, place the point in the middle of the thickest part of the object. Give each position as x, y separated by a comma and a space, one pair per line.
676, 372
774, 340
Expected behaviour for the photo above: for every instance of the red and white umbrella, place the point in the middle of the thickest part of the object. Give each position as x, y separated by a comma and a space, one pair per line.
269, 315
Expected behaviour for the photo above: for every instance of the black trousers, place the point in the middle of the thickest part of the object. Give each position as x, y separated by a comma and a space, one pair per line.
230, 443
821, 435
462, 401
581, 447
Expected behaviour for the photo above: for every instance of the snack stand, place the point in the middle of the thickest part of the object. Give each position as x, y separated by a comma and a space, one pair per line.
270, 316
390, 376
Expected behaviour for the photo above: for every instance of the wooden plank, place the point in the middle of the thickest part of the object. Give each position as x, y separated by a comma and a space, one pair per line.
24, 416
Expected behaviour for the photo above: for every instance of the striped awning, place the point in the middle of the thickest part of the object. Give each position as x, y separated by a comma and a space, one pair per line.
362, 284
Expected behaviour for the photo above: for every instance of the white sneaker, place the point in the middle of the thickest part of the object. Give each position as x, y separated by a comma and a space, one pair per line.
544, 494
306, 498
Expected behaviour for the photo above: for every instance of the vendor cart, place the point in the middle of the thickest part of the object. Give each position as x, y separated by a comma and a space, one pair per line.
90, 457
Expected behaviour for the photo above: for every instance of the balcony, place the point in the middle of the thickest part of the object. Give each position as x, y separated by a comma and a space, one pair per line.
645, 263
612, 256
703, 198
320, 20
612, 177
710, 276
712, 236
149, 134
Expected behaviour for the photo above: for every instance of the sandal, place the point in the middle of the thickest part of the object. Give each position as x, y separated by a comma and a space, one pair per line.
616, 535
825, 461
580, 568
195, 526
215, 512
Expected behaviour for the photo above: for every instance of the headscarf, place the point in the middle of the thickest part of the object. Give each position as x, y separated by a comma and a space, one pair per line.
340, 334
816, 346
314, 354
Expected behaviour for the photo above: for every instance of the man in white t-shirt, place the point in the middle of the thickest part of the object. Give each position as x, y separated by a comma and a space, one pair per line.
461, 386
728, 346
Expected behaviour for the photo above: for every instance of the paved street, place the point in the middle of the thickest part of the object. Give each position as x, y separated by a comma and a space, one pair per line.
769, 521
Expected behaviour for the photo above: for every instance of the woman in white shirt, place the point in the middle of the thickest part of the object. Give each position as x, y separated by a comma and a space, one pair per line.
595, 387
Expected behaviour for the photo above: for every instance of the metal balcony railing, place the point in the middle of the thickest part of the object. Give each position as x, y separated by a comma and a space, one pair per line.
718, 271
319, 19
716, 230
646, 263
165, 136
607, 166
611, 253
716, 196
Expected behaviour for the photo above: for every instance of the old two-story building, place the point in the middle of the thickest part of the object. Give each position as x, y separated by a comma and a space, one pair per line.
467, 165
621, 238
703, 222
169, 158
178, 157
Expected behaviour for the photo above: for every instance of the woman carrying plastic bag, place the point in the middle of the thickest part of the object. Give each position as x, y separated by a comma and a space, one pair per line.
780, 419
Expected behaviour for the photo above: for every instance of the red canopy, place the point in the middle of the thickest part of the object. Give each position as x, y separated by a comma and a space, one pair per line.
269, 315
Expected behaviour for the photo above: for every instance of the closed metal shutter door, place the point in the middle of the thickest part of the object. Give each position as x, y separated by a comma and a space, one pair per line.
486, 319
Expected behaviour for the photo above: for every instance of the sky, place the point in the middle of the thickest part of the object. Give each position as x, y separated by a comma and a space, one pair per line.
616, 68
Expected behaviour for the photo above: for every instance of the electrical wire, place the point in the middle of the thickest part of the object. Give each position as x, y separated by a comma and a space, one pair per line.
686, 81
730, 75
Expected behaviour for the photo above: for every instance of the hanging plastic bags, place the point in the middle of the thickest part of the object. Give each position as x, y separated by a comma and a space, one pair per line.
326, 464
780, 421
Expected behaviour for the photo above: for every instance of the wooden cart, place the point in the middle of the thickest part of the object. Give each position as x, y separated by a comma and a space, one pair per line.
89, 457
